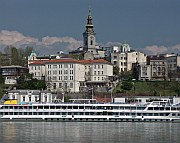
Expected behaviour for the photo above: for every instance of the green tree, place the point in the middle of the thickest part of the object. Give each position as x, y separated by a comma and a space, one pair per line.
14, 56
27, 82
127, 75
116, 70
126, 85
135, 71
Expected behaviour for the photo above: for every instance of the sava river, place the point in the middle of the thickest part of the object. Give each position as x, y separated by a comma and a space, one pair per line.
89, 132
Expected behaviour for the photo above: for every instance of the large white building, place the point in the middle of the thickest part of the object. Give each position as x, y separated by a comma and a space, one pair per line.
65, 75
68, 75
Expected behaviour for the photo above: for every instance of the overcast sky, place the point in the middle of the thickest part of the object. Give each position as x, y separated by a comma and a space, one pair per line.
50, 25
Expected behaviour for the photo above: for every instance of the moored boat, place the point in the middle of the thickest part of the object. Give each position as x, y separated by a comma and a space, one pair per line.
162, 111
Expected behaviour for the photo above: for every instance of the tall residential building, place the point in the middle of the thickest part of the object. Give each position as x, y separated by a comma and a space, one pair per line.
158, 67
124, 60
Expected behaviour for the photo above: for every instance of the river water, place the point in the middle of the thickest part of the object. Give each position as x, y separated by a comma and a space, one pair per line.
89, 132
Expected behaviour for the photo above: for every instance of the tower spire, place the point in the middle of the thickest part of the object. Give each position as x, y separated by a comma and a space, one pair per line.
89, 25
89, 41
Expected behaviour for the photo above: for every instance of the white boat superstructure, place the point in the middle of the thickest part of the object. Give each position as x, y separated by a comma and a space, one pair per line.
105, 112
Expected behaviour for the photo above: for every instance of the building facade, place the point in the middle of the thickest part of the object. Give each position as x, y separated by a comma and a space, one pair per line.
65, 75
70, 75
125, 60
29, 96
12, 73
158, 67
97, 72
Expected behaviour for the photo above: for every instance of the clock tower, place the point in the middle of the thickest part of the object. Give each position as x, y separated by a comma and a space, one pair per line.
89, 36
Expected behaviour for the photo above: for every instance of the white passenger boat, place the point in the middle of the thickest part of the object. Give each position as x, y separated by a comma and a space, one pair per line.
160, 111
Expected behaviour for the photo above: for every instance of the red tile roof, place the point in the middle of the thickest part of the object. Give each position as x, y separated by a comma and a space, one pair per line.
94, 61
68, 60
37, 63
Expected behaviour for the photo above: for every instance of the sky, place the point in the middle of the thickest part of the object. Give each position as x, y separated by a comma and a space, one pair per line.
150, 26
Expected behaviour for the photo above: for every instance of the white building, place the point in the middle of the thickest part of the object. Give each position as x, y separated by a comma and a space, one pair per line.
173, 62
69, 75
97, 72
33, 96
144, 71
65, 75
125, 60
135, 57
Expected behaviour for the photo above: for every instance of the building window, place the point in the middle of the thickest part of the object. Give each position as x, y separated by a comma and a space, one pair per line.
71, 85
36, 99
60, 85
54, 85
54, 66
94, 78
98, 66
54, 78
71, 65
94, 72
98, 72
29, 98
102, 78
54, 72
13, 96
102, 72
98, 78
65, 71
49, 78
60, 72
60, 66
91, 42
102, 66
65, 78
115, 62
95, 66
45, 98
23, 99
71, 77
71, 71
60, 77
65, 65
49, 72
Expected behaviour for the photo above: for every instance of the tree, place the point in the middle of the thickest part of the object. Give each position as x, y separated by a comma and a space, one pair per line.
127, 75
116, 70
27, 82
135, 71
126, 85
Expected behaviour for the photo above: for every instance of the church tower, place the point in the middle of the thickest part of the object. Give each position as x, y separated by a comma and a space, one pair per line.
89, 36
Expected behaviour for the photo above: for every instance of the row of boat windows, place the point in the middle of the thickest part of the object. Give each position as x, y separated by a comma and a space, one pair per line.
91, 107
73, 107
90, 113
